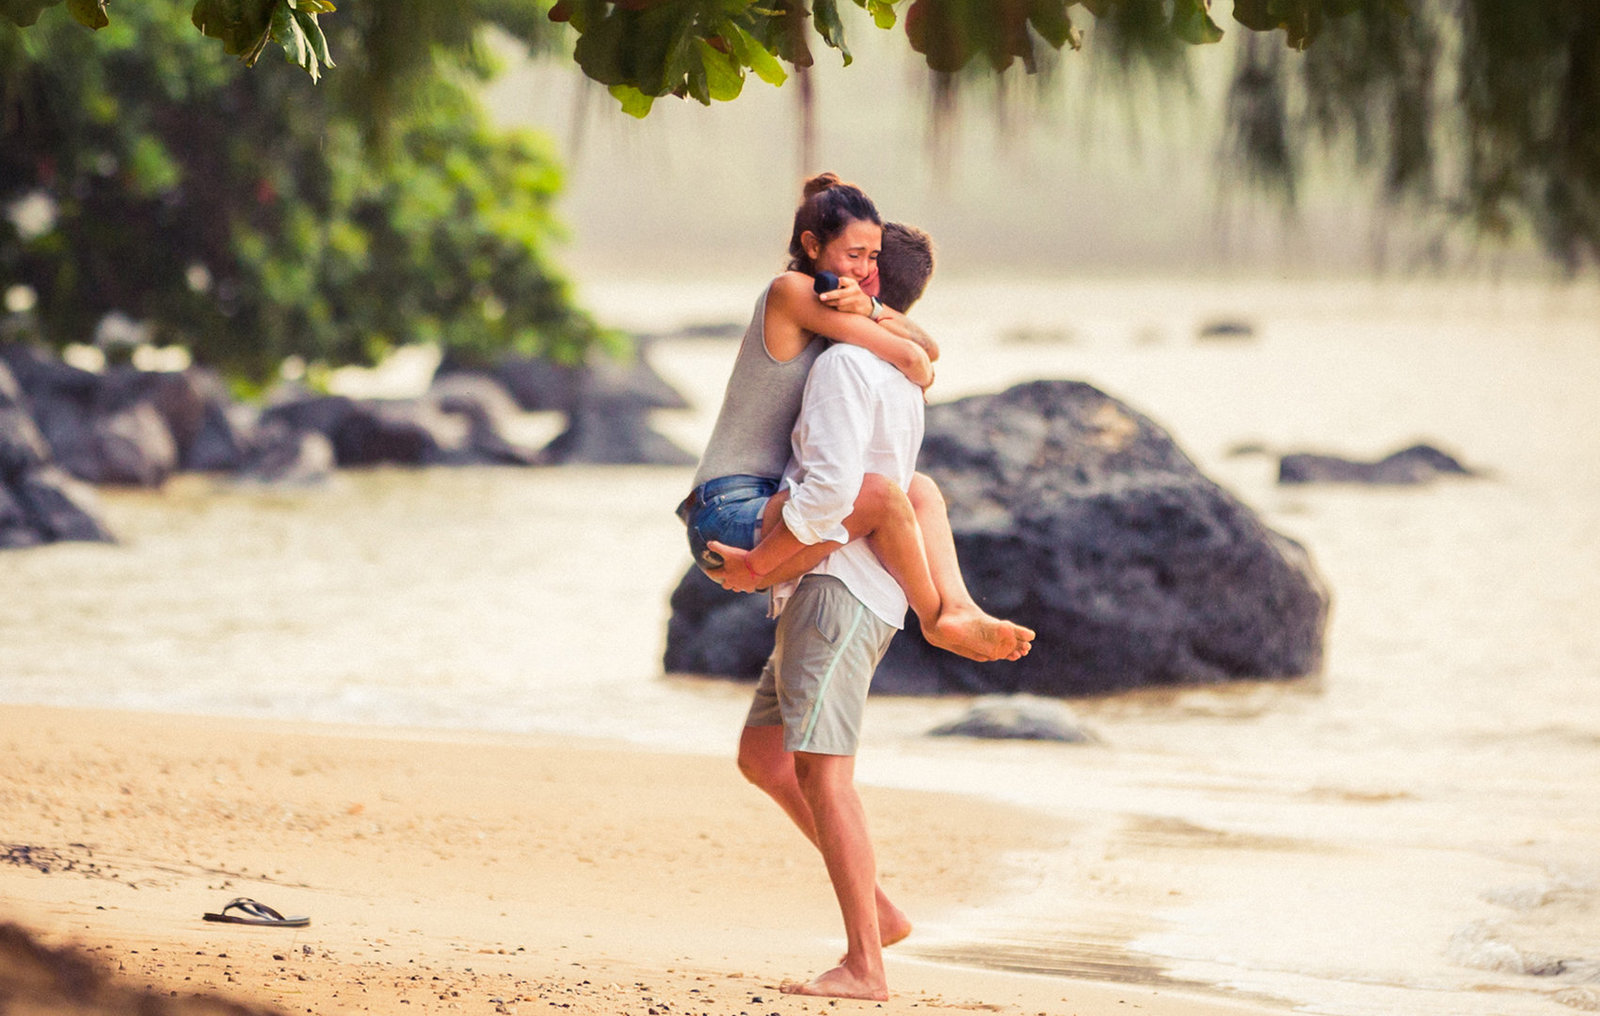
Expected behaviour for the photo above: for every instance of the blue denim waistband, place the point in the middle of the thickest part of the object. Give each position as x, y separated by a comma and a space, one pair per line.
726, 484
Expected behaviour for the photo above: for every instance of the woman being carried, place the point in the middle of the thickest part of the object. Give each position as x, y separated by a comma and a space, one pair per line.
735, 497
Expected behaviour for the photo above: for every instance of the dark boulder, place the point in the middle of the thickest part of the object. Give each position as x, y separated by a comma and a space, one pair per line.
367, 432
111, 428
38, 502
22, 446
537, 384
456, 423
1018, 718
614, 437
610, 423
283, 455
130, 446
60, 507
402, 432
487, 408
1079, 517
225, 440
627, 382
17, 528
1226, 328
1417, 464
713, 631
607, 399
179, 397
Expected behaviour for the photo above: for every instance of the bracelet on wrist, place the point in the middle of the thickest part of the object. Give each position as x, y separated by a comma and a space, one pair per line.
877, 309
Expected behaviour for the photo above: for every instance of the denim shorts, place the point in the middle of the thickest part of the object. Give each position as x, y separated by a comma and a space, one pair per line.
727, 509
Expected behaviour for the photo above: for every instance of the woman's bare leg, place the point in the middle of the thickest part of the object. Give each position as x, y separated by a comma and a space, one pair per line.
886, 517
1008, 640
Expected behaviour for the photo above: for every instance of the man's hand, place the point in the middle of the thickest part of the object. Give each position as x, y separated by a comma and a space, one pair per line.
735, 574
906, 328
848, 298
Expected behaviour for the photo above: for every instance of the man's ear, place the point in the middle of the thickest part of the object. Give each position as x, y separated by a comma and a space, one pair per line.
810, 244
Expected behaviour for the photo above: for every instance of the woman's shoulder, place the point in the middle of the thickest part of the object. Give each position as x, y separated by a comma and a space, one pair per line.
790, 284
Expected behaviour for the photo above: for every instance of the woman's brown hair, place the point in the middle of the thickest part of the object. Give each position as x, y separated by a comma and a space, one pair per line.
827, 206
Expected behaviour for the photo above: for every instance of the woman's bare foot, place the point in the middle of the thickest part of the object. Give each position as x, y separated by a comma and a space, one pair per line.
970, 632
893, 926
840, 982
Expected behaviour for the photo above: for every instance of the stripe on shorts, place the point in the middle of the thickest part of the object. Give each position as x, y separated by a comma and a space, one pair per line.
827, 676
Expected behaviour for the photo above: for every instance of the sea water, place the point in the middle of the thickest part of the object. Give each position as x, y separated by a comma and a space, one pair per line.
1415, 830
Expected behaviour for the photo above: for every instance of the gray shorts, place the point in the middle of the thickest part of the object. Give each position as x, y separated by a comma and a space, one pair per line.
815, 682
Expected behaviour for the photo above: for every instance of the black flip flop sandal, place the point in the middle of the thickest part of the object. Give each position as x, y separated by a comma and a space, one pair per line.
251, 912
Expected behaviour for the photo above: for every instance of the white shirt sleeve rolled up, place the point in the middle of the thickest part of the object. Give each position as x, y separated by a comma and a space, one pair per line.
829, 448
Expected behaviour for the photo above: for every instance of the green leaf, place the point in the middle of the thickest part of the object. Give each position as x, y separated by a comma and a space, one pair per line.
1053, 22
1191, 22
634, 102
244, 26
755, 56
23, 13
825, 16
286, 31
91, 13
599, 50
882, 13
724, 76
319, 42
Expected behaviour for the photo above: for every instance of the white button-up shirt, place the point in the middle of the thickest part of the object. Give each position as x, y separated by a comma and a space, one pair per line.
859, 415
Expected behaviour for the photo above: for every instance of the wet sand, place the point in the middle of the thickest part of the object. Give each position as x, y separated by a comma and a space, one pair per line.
448, 873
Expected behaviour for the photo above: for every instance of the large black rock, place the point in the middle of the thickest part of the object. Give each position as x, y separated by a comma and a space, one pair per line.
1079, 517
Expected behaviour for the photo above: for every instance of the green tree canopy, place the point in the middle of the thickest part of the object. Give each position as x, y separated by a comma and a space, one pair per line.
250, 216
1484, 110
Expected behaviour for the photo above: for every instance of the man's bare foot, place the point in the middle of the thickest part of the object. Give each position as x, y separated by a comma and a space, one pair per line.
970, 632
840, 982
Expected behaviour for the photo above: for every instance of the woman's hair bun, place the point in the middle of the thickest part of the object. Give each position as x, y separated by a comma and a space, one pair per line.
819, 183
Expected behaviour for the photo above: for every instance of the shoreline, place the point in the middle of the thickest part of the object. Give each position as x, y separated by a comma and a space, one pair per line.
449, 871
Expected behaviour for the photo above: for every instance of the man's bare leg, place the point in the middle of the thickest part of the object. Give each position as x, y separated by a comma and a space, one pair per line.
828, 785
958, 608
764, 763
887, 518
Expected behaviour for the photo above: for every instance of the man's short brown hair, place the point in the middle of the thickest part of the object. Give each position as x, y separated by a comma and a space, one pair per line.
905, 263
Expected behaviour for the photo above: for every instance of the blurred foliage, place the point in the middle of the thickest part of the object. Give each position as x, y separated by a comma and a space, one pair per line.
251, 216
243, 26
1486, 109
702, 49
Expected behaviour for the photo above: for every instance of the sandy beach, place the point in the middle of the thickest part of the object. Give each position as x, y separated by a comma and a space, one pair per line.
423, 760
474, 873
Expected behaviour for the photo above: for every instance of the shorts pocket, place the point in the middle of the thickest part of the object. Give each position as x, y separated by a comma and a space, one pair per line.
836, 617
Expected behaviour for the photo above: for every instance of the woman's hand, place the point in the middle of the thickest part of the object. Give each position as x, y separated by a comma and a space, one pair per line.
848, 298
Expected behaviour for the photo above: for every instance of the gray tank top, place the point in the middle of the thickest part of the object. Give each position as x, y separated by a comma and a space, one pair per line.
759, 408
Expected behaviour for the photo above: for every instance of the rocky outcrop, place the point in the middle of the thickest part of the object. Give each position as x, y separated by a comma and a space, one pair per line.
122, 427
281, 455
607, 400
39, 503
60, 425
1417, 464
1079, 517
